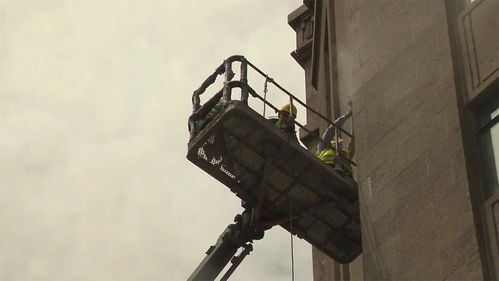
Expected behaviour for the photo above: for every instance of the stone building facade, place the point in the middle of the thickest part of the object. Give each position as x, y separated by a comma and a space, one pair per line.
423, 79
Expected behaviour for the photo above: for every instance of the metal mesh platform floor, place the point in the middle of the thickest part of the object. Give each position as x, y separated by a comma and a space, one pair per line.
266, 168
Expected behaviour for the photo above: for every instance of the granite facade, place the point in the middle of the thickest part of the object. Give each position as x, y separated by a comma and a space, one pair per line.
394, 60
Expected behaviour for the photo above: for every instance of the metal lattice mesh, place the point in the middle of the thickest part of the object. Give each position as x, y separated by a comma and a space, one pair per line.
237, 127
318, 232
320, 183
271, 196
291, 165
280, 206
301, 195
332, 215
252, 161
279, 180
242, 174
230, 142
305, 222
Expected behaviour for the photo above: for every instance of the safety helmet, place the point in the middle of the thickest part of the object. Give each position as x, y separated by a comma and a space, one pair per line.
288, 107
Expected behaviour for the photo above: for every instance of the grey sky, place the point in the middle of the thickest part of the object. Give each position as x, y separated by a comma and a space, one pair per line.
94, 100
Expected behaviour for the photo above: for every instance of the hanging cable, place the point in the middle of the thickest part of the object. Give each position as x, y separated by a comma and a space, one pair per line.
291, 216
291, 205
291, 233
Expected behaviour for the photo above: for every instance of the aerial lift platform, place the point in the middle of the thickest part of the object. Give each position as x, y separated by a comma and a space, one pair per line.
278, 181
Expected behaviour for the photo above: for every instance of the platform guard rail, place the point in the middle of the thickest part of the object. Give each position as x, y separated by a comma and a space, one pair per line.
200, 111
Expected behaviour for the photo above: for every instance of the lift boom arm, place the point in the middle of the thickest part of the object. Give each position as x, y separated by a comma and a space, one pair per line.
235, 236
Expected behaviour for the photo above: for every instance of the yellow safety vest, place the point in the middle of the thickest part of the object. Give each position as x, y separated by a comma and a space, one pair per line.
329, 157
213, 112
281, 125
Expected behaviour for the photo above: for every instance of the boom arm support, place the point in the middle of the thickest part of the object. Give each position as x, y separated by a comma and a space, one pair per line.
238, 235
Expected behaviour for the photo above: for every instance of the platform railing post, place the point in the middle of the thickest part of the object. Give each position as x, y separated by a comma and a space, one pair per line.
195, 102
229, 74
244, 80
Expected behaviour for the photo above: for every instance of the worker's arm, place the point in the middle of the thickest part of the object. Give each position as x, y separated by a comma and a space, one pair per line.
328, 135
341, 120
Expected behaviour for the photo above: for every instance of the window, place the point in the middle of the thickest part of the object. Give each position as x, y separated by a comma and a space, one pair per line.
489, 135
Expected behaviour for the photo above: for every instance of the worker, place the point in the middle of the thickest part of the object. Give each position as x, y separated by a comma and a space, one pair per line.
200, 124
328, 153
285, 120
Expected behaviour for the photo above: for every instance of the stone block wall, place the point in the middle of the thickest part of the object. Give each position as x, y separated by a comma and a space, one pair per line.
394, 62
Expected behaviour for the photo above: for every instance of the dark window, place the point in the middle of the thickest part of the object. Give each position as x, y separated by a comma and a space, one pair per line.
489, 144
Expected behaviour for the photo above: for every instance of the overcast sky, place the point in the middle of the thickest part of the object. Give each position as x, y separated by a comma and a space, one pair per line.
94, 101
